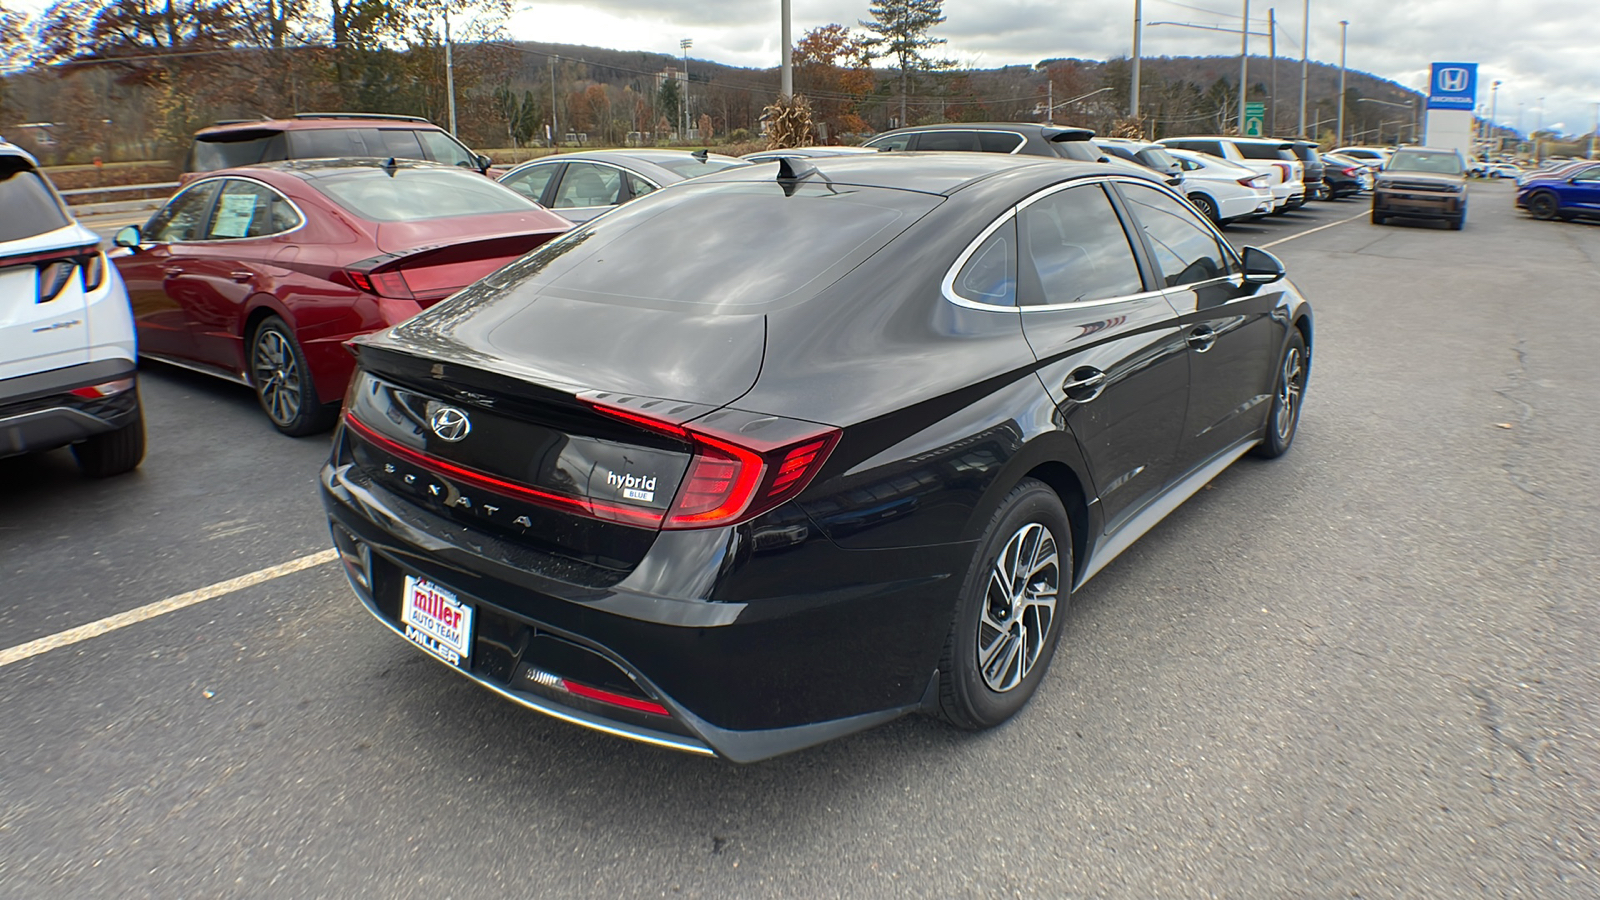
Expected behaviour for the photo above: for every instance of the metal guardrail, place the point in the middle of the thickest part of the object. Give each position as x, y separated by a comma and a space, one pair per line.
121, 188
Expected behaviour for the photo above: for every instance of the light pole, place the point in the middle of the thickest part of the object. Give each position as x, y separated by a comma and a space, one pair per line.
786, 82
1305, 65
555, 119
1244, 60
449, 73
683, 101
1409, 105
1494, 103
1133, 104
1344, 32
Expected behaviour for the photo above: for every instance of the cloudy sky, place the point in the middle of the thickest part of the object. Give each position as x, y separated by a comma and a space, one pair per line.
1546, 52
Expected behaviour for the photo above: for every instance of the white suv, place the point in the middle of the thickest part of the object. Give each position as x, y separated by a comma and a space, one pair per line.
1273, 158
67, 353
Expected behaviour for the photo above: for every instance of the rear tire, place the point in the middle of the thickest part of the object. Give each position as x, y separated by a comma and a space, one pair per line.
114, 452
283, 384
1288, 394
1009, 618
1207, 206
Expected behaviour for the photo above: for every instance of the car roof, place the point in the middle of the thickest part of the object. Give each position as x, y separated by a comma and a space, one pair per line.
1048, 131
941, 173
10, 149
315, 121
311, 169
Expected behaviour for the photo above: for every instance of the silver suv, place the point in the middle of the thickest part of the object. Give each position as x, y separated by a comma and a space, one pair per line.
67, 354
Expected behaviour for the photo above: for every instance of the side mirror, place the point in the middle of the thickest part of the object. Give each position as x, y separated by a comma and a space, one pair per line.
129, 237
1261, 267
483, 162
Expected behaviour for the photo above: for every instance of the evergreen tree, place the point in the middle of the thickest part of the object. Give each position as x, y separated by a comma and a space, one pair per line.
900, 32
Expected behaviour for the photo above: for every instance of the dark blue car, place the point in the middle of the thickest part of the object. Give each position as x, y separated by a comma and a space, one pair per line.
1571, 193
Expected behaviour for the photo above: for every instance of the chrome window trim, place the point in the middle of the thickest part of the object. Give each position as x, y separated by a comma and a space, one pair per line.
947, 286
276, 234
224, 178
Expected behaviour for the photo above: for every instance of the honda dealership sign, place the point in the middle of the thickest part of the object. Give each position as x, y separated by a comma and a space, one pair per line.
1454, 86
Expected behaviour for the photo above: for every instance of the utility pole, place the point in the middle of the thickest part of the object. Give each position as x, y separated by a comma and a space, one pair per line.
1494, 104
449, 73
1049, 98
1344, 31
1272, 44
786, 82
1593, 130
683, 102
555, 121
1244, 61
1138, 26
1305, 65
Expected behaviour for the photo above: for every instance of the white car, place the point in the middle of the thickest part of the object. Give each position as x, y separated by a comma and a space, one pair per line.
1267, 156
67, 356
1377, 156
1501, 170
1224, 191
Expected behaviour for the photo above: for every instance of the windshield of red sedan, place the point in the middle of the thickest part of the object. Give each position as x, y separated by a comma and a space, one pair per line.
413, 194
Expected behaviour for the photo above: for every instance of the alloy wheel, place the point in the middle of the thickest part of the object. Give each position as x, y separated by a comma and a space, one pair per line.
277, 376
1291, 381
1543, 206
1019, 608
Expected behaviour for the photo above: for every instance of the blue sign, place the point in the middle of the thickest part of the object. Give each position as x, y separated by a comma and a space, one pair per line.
1453, 86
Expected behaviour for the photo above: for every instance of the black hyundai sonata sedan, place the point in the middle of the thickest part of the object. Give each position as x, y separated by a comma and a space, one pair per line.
788, 451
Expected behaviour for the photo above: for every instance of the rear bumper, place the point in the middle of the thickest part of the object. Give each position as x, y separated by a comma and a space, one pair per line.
39, 412
752, 654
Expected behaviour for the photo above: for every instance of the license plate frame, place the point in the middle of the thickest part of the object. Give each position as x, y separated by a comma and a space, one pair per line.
434, 618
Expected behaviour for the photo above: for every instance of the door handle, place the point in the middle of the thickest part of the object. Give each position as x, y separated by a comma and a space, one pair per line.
1201, 339
1084, 384
173, 270
241, 277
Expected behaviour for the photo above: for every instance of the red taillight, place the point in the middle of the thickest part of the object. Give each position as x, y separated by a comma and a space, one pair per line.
733, 478
1350, 172
380, 284
622, 700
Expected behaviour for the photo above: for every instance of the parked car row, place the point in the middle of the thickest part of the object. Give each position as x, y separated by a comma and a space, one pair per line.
1567, 192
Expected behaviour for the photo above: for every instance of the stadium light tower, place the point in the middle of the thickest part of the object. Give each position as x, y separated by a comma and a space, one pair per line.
683, 101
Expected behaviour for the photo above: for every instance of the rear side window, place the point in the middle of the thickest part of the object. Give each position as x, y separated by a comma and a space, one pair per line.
415, 194
1077, 248
1212, 147
990, 273
1262, 151
228, 149
949, 140
1158, 159
892, 142
329, 143
1186, 251
247, 209
998, 142
29, 206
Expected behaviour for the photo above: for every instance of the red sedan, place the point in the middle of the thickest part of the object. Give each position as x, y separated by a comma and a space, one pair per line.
260, 274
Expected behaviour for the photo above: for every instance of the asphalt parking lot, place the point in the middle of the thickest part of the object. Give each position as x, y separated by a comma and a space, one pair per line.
1368, 669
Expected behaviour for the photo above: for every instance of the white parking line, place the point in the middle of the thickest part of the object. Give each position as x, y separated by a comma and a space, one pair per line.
160, 608
1312, 231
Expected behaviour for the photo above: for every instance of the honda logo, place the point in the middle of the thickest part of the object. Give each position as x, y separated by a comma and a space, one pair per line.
450, 424
1453, 80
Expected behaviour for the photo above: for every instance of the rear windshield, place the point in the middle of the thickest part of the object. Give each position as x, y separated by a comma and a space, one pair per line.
689, 167
1158, 159
27, 204
731, 246
1424, 161
1262, 151
228, 149
413, 194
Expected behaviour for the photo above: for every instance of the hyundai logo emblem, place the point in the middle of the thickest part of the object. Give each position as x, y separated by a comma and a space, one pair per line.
450, 424
1453, 80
